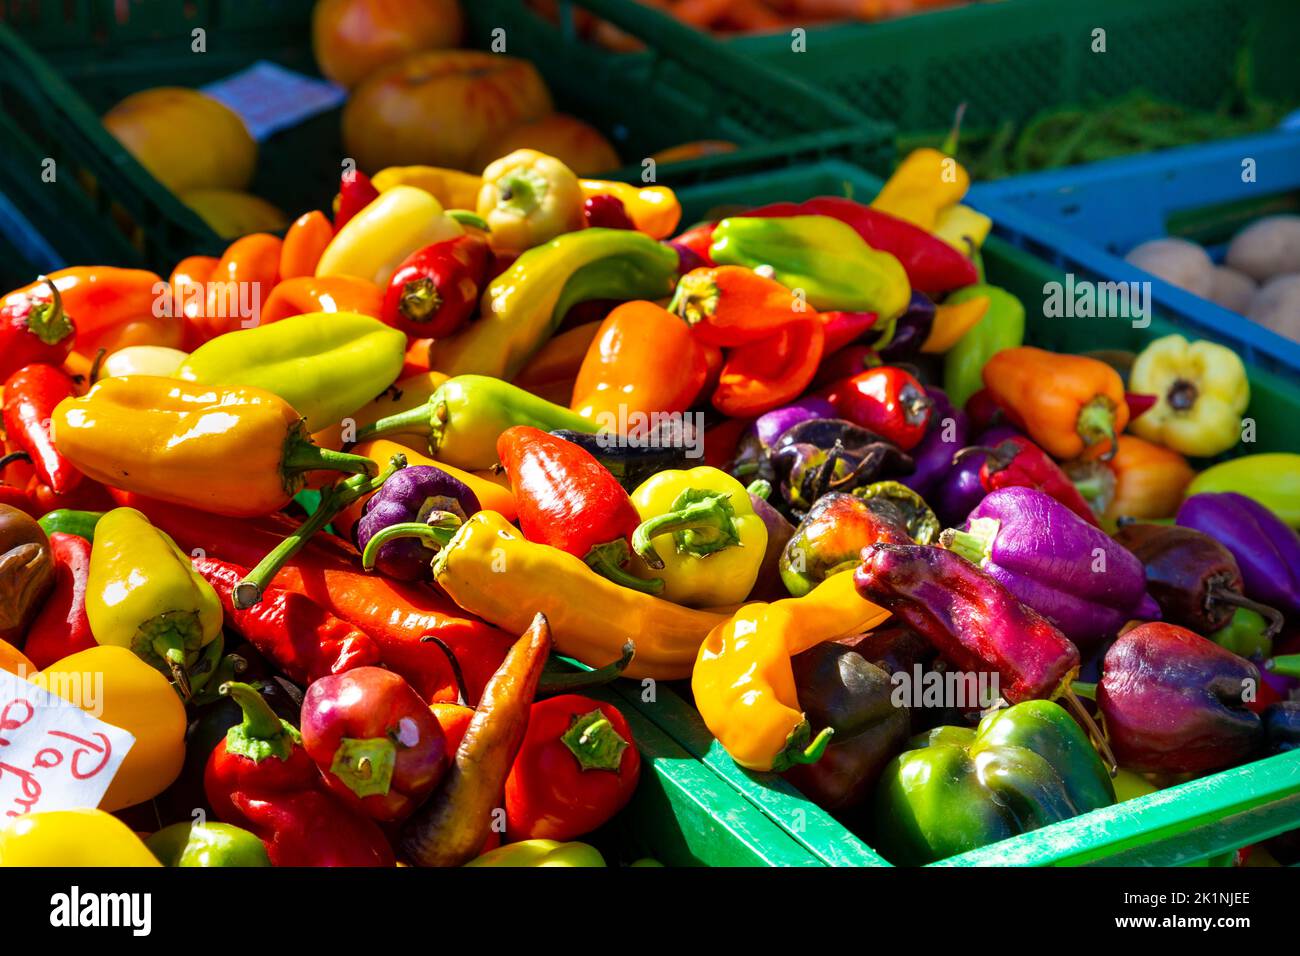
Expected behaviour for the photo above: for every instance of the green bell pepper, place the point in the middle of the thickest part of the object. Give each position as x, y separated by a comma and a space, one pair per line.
325, 364
467, 414
823, 257
958, 789
1002, 327
1271, 479
207, 844
524, 305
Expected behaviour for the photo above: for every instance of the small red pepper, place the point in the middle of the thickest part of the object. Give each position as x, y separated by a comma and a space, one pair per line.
261, 778
30, 396
732, 305
887, 401
62, 628
356, 192
845, 328
378, 745
771, 372
607, 212
302, 639
569, 500
578, 766
1017, 462
34, 328
436, 289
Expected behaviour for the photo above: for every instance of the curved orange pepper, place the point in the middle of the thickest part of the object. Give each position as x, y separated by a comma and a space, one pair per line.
304, 242
305, 294
245, 276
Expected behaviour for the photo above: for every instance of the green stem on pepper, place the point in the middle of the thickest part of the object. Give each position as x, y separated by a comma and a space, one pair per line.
702, 520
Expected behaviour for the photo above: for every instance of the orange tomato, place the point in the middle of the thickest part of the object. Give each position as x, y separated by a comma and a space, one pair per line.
354, 38
578, 145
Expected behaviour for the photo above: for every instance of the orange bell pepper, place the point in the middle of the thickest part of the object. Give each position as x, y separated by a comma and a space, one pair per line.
113, 308
306, 294
1069, 404
304, 242
559, 359
242, 280
766, 374
1149, 479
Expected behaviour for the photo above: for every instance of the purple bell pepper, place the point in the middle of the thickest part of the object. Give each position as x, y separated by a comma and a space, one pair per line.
414, 514
960, 489
1072, 573
946, 435
1266, 549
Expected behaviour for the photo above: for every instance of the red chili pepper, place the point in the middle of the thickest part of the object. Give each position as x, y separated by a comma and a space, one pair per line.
377, 744
578, 766
356, 192
34, 328
302, 639
260, 777
30, 396
61, 628
607, 212
845, 328
885, 400
1017, 462
436, 289
771, 372
569, 500
932, 266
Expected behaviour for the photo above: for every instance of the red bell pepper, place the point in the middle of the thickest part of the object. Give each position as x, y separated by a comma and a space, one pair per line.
569, 500
732, 305
34, 329
62, 628
1017, 462
302, 639
436, 289
577, 767
261, 778
771, 372
887, 401
30, 396
932, 266
356, 192
377, 744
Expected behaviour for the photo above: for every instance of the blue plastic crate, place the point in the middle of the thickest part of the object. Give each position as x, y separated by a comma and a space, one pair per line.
1086, 218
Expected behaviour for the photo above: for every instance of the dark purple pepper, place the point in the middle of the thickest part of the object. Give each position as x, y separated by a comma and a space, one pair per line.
751, 459
420, 494
960, 489
911, 330
688, 259
947, 434
768, 585
1266, 549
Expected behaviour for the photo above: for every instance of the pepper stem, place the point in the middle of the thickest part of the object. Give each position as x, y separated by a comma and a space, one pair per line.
695, 298
974, 545
760, 488
301, 455
1096, 422
462, 689
365, 765
702, 521
1085, 690
438, 534
335, 498
418, 420
1287, 665
47, 320
419, 299
262, 733
573, 681
1075, 706
14, 456
594, 742
607, 561
467, 217
1272, 615
813, 752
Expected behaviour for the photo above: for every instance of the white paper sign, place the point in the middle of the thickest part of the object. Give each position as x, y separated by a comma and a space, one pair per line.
53, 755
269, 98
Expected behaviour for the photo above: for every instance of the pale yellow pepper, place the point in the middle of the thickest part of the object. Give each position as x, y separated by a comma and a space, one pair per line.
924, 184
374, 242
451, 187
529, 198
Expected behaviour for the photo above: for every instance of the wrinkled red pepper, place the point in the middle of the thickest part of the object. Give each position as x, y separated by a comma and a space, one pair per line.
888, 401
62, 628
34, 328
436, 289
30, 396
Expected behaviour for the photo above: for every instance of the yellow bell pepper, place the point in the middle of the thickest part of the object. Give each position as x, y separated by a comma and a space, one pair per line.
1201, 393
654, 210
924, 184
373, 243
114, 685
143, 593
66, 838
743, 680
451, 187
541, 853
961, 227
529, 198
143, 360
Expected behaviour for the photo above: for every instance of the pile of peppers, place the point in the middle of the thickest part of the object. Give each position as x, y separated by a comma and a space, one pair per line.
335, 522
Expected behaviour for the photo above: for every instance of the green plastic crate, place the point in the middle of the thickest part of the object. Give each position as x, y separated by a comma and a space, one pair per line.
65, 62
1190, 823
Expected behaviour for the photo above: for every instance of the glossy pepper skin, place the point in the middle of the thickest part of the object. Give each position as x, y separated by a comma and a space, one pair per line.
62, 627
113, 307
540, 853
260, 777
330, 296
831, 536
1016, 462
34, 329
30, 397
232, 450
208, 844
973, 621
821, 455
325, 365
823, 256
1069, 404
743, 680
925, 184
303, 640
568, 500
528, 198
762, 375
1173, 702
577, 767
1266, 550
1271, 479
653, 210
26, 572
1201, 393
435, 290
378, 746
419, 495
1001, 327
72, 838
1150, 480
372, 243
729, 306
698, 534
1194, 578
490, 569
958, 789
1067, 570
947, 433
888, 401
144, 594
841, 689
356, 192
